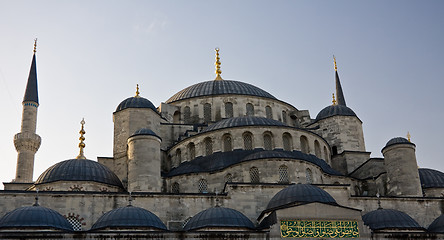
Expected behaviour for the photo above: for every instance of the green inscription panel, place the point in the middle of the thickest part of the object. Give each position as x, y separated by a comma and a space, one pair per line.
319, 229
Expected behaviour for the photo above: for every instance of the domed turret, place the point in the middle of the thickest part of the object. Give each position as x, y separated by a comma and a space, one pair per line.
132, 114
219, 217
402, 168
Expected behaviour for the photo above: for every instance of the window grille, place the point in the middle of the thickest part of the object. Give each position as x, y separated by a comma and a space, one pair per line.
207, 112
283, 174
304, 145
227, 143
228, 110
208, 146
187, 114
308, 176
229, 178
248, 141
268, 142
254, 175
191, 151
286, 140
175, 188
185, 222
268, 112
203, 186
284, 117
250, 109
75, 223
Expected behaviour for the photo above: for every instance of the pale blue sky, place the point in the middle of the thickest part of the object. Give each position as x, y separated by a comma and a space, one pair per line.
91, 54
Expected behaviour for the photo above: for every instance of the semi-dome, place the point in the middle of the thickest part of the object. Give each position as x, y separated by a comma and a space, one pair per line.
135, 102
431, 178
242, 122
213, 88
219, 217
79, 170
300, 193
381, 219
34, 217
437, 225
129, 217
335, 110
145, 131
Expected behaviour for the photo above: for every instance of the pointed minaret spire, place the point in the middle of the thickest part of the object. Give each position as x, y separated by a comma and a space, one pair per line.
217, 63
82, 138
339, 94
27, 142
31, 94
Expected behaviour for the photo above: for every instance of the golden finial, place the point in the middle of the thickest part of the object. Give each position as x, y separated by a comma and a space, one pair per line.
217, 63
137, 90
334, 100
336, 66
408, 136
35, 45
82, 138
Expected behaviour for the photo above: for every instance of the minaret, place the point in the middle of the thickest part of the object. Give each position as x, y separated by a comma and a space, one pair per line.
27, 142
339, 93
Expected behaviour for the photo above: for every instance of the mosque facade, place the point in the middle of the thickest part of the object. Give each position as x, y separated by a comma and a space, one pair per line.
223, 159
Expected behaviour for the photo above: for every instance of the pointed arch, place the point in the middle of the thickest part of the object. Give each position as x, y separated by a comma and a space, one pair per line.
287, 142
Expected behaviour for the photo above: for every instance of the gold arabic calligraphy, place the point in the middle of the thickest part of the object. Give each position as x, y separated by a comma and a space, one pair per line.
319, 229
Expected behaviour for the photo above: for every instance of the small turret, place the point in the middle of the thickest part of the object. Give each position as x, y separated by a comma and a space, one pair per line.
27, 142
402, 168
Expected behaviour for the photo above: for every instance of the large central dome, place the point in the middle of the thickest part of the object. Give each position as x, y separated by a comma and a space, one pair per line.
215, 87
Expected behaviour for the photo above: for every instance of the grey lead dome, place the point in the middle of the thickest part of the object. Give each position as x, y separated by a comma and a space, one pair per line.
219, 217
389, 219
135, 102
335, 110
213, 88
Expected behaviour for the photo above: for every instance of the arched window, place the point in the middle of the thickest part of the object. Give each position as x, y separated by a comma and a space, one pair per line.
308, 176
283, 174
203, 186
208, 146
317, 149
335, 150
284, 117
175, 188
229, 178
176, 117
287, 142
304, 145
228, 110
248, 141
268, 141
268, 112
191, 151
178, 158
254, 175
187, 114
250, 109
325, 153
207, 112
228, 146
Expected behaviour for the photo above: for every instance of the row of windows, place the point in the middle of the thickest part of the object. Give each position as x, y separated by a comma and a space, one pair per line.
229, 113
202, 184
268, 144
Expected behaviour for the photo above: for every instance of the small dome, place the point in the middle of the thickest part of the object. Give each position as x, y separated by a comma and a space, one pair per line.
397, 140
389, 219
145, 131
219, 217
335, 110
300, 193
242, 122
34, 217
213, 88
135, 102
431, 178
79, 170
129, 217
437, 225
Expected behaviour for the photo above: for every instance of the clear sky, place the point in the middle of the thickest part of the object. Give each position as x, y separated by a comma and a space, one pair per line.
91, 55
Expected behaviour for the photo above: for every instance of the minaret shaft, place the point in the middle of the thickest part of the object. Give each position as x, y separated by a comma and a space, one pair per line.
27, 142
